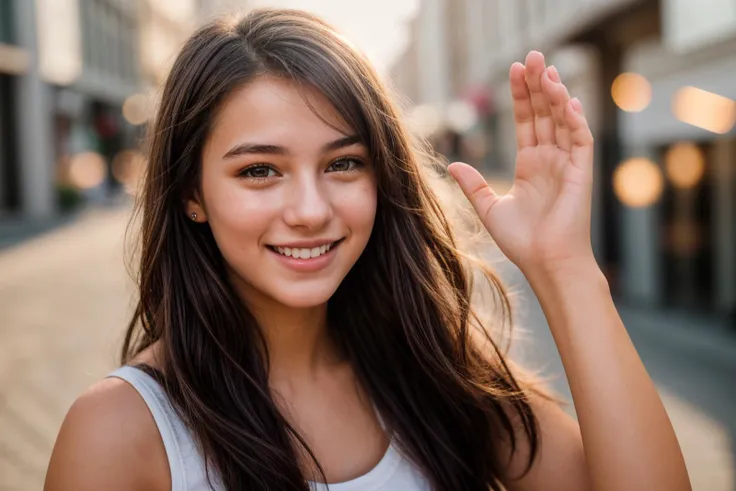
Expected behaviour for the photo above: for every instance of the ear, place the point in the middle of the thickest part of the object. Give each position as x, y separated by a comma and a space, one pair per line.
195, 210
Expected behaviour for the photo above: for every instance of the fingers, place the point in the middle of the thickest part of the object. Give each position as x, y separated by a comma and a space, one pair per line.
523, 112
545, 114
558, 98
581, 137
475, 188
544, 124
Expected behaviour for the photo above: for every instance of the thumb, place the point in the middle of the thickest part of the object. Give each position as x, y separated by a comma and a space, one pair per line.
475, 187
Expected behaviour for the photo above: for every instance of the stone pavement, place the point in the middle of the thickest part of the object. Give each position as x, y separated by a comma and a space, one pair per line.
65, 299
64, 302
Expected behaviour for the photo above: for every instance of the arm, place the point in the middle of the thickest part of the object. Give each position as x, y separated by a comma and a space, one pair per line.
627, 436
108, 441
560, 462
543, 226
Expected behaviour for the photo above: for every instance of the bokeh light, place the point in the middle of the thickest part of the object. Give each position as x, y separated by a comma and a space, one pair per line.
631, 92
136, 109
425, 120
461, 116
127, 169
684, 165
87, 170
704, 109
638, 182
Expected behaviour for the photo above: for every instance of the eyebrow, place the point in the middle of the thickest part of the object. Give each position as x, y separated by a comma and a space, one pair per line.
257, 148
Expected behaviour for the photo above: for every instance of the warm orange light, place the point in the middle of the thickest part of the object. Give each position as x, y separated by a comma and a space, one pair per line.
638, 182
631, 92
685, 165
87, 170
127, 168
136, 109
704, 109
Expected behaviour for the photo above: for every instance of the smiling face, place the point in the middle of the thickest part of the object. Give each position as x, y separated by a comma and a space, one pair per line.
290, 200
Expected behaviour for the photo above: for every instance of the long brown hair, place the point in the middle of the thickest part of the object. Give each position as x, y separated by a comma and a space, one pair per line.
402, 315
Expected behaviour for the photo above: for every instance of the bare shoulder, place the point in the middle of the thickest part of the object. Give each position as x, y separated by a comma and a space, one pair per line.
109, 440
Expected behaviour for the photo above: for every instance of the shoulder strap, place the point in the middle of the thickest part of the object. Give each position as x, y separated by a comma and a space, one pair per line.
170, 426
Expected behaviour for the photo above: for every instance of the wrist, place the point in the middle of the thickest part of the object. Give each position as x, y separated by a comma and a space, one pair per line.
568, 290
560, 273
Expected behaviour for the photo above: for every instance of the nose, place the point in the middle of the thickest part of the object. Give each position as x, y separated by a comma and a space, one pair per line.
308, 204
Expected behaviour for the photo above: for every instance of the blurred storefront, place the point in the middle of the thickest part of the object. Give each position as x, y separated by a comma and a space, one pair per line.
67, 66
23, 159
687, 130
78, 83
656, 78
87, 109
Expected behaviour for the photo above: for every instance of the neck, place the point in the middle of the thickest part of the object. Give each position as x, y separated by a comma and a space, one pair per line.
297, 339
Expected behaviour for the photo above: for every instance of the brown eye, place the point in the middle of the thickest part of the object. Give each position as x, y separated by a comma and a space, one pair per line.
258, 172
344, 165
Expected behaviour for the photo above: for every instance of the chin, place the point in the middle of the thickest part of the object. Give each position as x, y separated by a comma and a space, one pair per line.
303, 296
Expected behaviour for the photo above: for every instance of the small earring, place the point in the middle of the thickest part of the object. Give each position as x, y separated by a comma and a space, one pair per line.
194, 216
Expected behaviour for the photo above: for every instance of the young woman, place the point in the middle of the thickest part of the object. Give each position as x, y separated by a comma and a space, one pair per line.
305, 315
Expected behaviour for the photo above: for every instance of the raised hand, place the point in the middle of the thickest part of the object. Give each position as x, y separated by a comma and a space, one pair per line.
544, 220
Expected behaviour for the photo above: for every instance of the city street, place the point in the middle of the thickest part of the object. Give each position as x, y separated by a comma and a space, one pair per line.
65, 298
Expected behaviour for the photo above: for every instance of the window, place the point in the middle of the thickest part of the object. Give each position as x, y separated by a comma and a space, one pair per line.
6, 22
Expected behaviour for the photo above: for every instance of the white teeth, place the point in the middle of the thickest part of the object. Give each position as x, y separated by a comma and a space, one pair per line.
304, 253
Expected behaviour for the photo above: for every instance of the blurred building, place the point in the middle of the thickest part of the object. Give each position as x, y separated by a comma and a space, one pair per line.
80, 62
78, 81
21, 91
165, 25
664, 225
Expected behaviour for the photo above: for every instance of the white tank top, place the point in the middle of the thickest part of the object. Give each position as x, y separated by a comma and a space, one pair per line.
393, 473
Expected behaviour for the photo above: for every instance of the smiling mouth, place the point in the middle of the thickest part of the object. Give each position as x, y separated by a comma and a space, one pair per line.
305, 252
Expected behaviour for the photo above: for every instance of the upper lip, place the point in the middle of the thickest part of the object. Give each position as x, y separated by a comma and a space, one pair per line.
306, 244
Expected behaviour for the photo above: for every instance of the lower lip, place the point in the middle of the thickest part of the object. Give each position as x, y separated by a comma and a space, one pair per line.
307, 265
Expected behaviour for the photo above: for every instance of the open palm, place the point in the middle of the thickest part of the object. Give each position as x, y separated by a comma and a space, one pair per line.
545, 217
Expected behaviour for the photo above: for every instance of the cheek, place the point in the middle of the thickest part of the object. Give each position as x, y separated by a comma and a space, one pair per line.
357, 207
235, 213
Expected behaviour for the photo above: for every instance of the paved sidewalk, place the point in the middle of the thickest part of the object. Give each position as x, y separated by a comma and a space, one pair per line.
64, 300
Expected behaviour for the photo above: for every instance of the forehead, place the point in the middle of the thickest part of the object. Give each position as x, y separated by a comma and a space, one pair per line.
277, 111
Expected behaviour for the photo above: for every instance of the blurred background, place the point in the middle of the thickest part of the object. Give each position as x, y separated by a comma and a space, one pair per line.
79, 81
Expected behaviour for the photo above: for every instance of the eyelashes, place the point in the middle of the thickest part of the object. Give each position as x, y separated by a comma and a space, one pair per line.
350, 160
262, 172
258, 171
